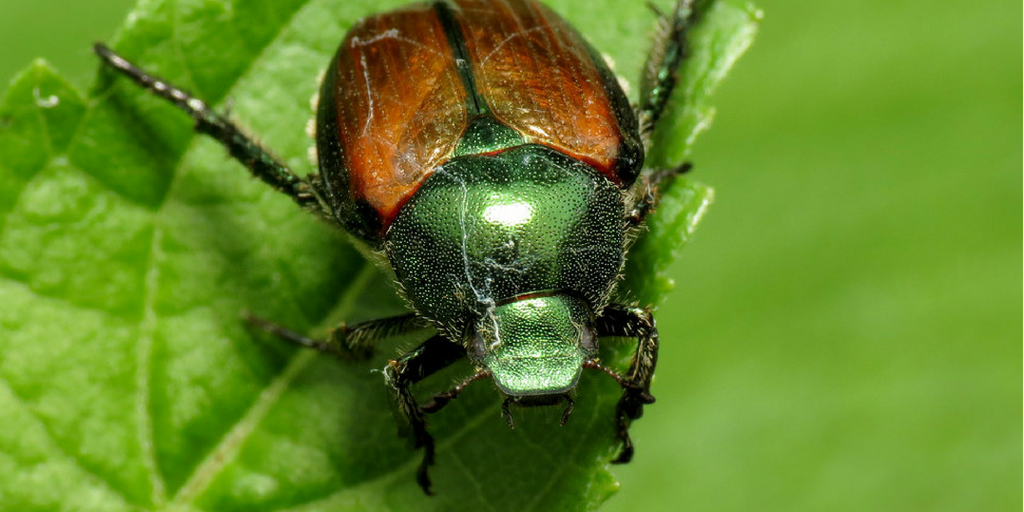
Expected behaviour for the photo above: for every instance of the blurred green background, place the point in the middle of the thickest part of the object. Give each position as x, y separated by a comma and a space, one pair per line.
846, 330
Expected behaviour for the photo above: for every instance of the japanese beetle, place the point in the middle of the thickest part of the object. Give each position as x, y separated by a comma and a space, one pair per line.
486, 150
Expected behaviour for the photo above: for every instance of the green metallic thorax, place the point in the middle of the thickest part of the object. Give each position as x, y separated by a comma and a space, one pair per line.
513, 253
540, 345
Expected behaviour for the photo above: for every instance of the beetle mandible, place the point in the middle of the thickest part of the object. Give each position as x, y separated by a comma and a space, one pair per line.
486, 149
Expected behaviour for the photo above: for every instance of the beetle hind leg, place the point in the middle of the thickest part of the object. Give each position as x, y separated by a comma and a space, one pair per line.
662, 66
241, 147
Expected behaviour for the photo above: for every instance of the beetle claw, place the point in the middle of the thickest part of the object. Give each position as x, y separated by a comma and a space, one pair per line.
422, 477
567, 412
626, 454
507, 414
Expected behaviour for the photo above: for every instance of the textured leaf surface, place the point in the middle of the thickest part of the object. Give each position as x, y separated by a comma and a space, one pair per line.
128, 246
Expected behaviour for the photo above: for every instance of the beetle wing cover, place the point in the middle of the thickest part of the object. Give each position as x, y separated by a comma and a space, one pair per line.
407, 84
539, 77
401, 104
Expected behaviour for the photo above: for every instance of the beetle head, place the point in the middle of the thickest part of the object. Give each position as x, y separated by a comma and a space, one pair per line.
535, 346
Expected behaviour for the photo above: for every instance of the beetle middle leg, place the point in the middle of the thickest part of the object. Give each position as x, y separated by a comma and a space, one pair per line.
348, 342
620, 320
433, 355
242, 148
651, 184
430, 357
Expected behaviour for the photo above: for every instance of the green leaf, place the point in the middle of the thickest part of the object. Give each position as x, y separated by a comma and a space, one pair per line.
129, 245
718, 40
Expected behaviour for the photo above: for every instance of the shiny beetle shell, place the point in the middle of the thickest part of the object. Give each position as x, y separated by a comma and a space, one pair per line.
406, 86
486, 150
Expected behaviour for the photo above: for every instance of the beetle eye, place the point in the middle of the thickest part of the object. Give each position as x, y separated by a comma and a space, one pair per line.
477, 348
588, 338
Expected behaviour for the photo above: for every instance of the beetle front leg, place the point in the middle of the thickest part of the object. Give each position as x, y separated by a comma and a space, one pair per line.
430, 357
620, 320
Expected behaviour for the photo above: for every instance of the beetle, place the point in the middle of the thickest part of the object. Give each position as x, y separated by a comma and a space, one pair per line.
488, 152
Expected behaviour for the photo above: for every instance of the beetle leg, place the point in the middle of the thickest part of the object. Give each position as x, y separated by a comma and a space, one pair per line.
441, 399
347, 342
242, 148
433, 355
360, 339
507, 413
620, 320
652, 184
662, 67
656, 85
568, 410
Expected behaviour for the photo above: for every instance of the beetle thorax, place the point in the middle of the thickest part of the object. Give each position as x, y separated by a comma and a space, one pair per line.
485, 229
535, 345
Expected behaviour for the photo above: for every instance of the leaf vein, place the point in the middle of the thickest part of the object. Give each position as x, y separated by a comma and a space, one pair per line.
69, 454
144, 365
232, 441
